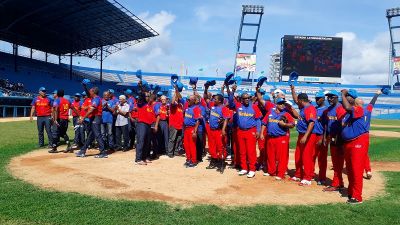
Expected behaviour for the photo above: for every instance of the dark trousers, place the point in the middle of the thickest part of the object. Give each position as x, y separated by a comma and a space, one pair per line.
163, 135
94, 133
132, 132
60, 131
125, 133
107, 135
175, 141
143, 133
79, 138
200, 146
43, 122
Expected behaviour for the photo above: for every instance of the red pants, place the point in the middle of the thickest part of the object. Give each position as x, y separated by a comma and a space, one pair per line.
262, 147
235, 144
355, 153
304, 158
277, 151
321, 152
247, 148
189, 144
337, 156
216, 144
367, 161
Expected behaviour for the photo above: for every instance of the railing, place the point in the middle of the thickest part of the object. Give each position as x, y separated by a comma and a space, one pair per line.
14, 111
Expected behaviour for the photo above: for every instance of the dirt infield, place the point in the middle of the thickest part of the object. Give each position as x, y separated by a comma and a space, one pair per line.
384, 133
167, 180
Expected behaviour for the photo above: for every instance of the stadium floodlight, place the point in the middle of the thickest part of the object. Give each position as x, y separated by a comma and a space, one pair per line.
393, 12
256, 9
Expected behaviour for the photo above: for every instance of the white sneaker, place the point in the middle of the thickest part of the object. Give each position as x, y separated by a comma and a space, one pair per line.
305, 183
266, 174
229, 158
278, 178
242, 172
294, 179
251, 174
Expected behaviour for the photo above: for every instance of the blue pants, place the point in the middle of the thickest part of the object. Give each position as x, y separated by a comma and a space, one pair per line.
79, 129
43, 122
132, 132
107, 135
94, 133
163, 136
124, 131
143, 132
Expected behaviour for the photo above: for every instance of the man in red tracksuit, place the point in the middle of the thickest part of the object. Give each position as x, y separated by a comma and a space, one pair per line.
277, 123
249, 127
218, 121
356, 139
305, 148
191, 123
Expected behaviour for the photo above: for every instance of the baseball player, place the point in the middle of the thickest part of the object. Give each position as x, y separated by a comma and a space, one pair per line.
218, 121
321, 149
42, 106
175, 124
60, 119
94, 114
356, 139
191, 123
108, 109
305, 148
368, 111
249, 127
277, 123
76, 104
146, 117
161, 126
334, 139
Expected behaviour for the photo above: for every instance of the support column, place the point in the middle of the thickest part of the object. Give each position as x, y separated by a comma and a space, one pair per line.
101, 65
59, 59
15, 53
31, 53
45, 56
70, 67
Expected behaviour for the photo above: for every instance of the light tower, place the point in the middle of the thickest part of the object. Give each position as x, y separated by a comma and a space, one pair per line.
394, 60
249, 11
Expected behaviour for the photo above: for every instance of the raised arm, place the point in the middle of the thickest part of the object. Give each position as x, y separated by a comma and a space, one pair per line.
373, 100
294, 95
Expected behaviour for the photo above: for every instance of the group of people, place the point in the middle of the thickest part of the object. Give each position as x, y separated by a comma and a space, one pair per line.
234, 123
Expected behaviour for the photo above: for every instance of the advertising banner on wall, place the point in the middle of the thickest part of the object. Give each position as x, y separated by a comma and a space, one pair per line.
396, 66
245, 62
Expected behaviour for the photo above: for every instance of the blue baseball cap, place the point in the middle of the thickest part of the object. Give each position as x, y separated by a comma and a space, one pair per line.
111, 90
280, 101
160, 93
333, 92
85, 81
262, 91
266, 98
385, 91
55, 92
210, 83
77, 94
228, 77
42, 89
139, 74
128, 91
193, 80
320, 94
261, 80
84, 93
352, 93
174, 79
238, 80
180, 86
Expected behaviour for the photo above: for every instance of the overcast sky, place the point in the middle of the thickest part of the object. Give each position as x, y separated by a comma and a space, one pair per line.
203, 34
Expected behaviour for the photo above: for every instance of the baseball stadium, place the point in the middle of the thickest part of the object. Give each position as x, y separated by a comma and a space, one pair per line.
99, 124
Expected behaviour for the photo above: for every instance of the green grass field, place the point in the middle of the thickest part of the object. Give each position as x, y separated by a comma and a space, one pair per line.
22, 203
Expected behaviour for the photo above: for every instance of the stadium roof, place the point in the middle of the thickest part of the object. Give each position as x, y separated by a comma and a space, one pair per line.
80, 27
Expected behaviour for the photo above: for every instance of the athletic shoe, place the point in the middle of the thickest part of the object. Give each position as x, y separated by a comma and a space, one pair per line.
212, 164
278, 178
251, 174
242, 172
186, 163
305, 183
369, 175
140, 163
353, 201
266, 174
101, 156
192, 165
321, 182
53, 149
80, 154
229, 158
331, 189
294, 179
